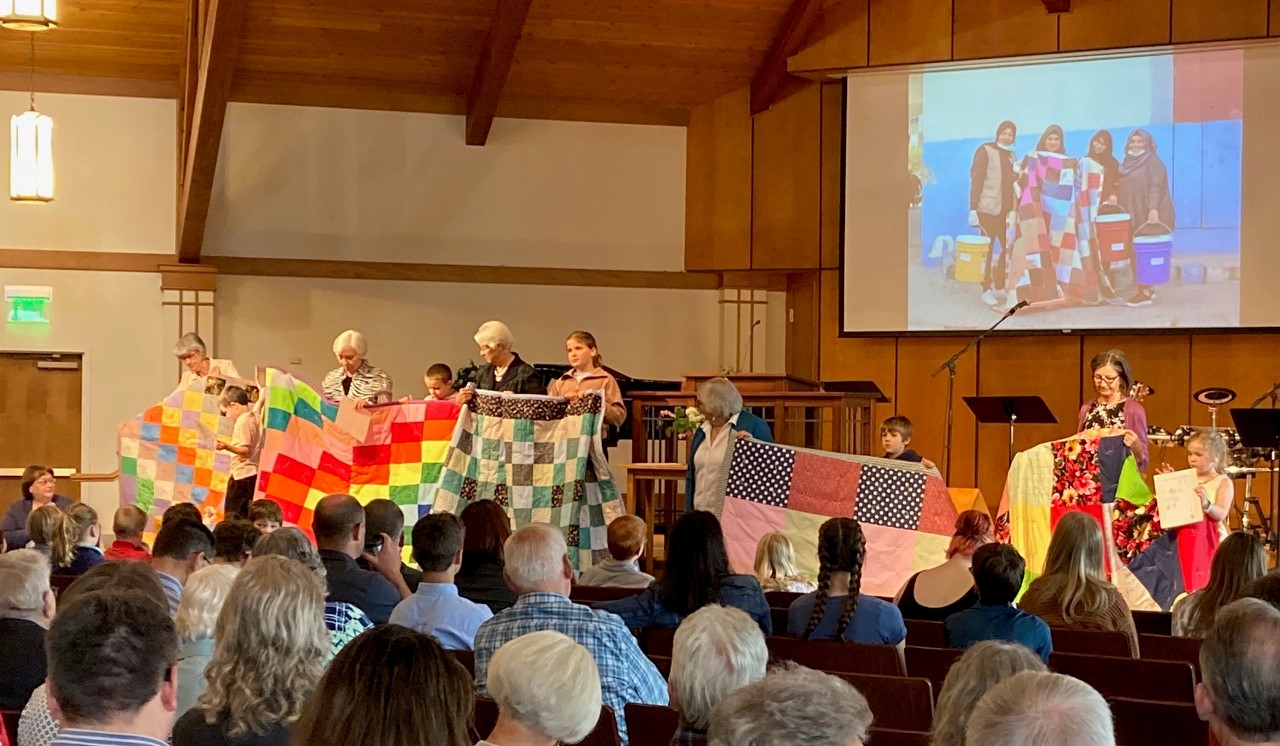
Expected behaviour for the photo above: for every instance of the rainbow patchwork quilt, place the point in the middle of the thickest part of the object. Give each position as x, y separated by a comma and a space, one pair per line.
306, 456
168, 454
905, 509
542, 459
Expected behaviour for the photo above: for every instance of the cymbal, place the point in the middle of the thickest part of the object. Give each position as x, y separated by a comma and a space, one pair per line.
1214, 396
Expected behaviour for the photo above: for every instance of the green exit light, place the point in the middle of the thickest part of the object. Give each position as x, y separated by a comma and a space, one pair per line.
28, 311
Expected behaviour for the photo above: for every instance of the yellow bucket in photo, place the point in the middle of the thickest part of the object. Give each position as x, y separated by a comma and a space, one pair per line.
971, 257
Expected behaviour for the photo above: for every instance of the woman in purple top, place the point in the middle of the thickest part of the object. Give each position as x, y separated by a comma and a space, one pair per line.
38, 486
1114, 408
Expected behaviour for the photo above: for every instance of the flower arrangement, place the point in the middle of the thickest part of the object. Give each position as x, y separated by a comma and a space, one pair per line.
684, 420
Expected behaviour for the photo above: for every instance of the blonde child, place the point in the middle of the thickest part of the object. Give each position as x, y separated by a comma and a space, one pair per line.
40, 526
128, 525
1207, 454
265, 515
245, 436
585, 374
75, 541
776, 565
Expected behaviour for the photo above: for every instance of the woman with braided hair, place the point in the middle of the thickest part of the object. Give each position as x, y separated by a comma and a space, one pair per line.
838, 610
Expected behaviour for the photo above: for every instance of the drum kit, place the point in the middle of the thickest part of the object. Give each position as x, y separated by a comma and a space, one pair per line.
1242, 462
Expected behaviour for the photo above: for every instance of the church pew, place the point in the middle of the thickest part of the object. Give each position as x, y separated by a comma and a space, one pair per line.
1140, 722
1134, 678
838, 657
589, 594
925, 634
467, 658
780, 619
662, 663
604, 734
897, 702
651, 723
1090, 642
781, 599
1168, 648
1153, 622
932, 664
891, 737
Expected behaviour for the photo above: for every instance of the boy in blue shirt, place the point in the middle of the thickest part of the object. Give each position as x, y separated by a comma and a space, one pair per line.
997, 574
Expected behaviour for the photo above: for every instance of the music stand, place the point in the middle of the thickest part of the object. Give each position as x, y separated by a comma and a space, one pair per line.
1260, 428
1011, 411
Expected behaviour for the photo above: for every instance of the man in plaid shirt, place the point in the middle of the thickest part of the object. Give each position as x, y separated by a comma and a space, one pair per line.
537, 567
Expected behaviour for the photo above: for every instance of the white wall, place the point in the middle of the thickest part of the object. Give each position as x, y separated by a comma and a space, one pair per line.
115, 187
114, 320
397, 187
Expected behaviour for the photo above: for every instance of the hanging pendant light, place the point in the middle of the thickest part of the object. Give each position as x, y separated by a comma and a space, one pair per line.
29, 15
31, 150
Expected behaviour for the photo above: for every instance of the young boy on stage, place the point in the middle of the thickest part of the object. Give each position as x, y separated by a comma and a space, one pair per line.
895, 436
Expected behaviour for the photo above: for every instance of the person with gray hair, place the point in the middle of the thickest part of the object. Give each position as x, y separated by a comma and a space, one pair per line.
537, 568
1037, 708
792, 706
503, 370
202, 598
1239, 691
720, 404
190, 349
26, 609
547, 688
354, 377
982, 666
717, 650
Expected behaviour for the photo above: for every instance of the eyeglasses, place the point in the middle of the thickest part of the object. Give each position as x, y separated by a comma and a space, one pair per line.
1105, 379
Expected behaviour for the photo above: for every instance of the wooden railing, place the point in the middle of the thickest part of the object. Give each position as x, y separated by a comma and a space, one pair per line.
828, 421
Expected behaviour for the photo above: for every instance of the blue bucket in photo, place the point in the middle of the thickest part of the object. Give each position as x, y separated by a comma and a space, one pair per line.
1154, 255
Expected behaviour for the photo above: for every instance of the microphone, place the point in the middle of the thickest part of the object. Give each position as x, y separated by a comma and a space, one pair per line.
1014, 309
750, 338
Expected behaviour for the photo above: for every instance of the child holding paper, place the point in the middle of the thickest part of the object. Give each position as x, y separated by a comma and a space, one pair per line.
1207, 454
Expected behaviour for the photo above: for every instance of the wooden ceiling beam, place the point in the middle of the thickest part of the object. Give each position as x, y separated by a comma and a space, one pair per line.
493, 67
220, 32
793, 31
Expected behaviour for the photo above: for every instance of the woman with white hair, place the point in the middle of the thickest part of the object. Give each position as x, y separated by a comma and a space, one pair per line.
1038, 708
981, 667
717, 650
355, 377
547, 688
202, 599
721, 405
503, 370
26, 610
190, 349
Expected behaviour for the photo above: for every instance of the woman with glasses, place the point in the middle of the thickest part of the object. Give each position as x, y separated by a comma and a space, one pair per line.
191, 350
1114, 409
38, 489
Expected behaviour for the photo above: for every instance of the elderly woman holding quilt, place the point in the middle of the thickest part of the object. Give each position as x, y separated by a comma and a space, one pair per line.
503, 370
721, 404
355, 377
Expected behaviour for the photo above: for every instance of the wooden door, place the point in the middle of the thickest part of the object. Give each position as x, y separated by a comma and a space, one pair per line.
40, 400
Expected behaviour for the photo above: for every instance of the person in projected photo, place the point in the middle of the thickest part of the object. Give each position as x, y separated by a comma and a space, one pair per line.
1144, 194
1100, 178
1051, 141
1036, 249
991, 181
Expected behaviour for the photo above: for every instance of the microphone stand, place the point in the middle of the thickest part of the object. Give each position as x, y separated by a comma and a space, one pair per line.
950, 367
1271, 394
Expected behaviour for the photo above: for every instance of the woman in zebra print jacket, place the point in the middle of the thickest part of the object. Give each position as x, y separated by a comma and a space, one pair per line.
355, 377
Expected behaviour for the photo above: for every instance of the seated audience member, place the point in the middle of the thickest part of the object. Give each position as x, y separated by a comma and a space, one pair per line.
233, 541
537, 566
1239, 692
38, 725
202, 599
792, 705
626, 539
40, 525
547, 689
112, 670
436, 608
1266, 588
1239, 560
127, 527
344, 621
339, 526
1037, 708
941, 591
487, 529
390, 687
717, 650
38, 487
895, 436
839, 610
981, 667
696, 573
182, 547
382, 516
1073, 591
270, 649
998, 570
776, 565
76, 535
183, 511
265, 515
26, 609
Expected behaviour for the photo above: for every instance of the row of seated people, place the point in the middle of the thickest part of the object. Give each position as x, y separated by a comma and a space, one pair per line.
114, 674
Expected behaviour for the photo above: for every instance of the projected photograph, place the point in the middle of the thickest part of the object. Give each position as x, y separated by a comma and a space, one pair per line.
1106, 193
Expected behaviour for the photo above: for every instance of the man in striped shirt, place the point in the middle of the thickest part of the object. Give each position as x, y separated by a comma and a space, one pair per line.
182, 547
113, 670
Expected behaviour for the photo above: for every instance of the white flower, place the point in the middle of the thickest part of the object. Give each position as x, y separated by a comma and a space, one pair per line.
694, 416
